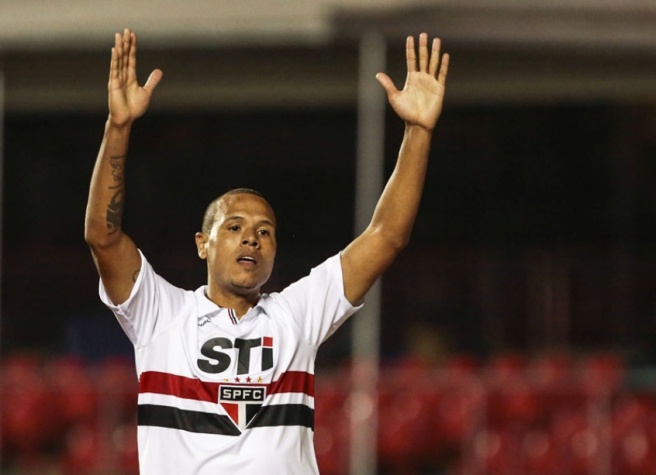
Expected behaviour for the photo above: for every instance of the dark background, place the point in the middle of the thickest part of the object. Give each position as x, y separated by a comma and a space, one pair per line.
536, 230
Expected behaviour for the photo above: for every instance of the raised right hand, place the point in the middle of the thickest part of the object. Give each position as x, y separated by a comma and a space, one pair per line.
127, 99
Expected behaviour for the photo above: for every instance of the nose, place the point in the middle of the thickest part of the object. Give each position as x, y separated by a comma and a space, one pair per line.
250, 239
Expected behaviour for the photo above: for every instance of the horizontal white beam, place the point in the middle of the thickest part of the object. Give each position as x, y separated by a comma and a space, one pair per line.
82, 24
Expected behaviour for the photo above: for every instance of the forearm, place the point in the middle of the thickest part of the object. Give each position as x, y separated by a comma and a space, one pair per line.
103, 224
371, 253
419, 104
397, 207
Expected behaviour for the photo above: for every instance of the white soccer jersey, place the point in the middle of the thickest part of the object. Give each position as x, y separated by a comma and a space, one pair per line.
221, 395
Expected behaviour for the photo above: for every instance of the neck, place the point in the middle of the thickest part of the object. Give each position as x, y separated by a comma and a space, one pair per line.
239, 303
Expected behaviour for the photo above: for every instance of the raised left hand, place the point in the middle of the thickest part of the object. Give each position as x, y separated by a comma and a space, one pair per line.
420, 101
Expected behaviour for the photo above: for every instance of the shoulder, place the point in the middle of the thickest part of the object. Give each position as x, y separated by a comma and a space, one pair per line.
319, 276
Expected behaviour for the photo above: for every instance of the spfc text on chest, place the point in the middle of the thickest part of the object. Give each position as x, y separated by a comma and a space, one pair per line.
222, 352
241, 402
242, 394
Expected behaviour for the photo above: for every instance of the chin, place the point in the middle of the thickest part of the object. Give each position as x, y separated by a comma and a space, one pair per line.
246, 287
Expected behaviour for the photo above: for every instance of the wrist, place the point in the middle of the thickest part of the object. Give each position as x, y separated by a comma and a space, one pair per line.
117, 132
418, 130
118, 125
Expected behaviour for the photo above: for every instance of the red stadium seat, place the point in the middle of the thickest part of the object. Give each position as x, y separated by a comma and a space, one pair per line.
75, 393
331, 445
116, 379
601, 373
540, 455
550, 371
633, 435
496, 451
28, 414
124, 451
331, 423
401, 426
516, 402
458, 369
454, 412
504, 368
581, 444
84, 452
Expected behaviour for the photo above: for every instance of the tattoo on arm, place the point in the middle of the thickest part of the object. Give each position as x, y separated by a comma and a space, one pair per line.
116, 203
115, 212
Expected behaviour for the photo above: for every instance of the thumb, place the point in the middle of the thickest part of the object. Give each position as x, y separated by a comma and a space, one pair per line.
153, 80
387, 83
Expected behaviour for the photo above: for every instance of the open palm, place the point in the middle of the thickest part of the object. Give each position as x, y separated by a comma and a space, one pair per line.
127, 99
421, 99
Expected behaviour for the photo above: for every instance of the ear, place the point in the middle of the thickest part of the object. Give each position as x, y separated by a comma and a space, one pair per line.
201, 244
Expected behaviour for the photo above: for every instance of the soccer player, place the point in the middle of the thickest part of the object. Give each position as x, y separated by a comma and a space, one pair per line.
226, 372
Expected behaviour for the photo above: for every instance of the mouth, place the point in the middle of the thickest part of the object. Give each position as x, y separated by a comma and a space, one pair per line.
248, 260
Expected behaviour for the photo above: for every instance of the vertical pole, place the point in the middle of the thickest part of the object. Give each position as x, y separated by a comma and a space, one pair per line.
2, 148
369, 185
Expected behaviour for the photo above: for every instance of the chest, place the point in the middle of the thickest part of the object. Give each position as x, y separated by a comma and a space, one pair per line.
212, 346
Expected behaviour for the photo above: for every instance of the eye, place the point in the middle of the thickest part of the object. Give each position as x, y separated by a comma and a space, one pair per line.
264, 232
234, 227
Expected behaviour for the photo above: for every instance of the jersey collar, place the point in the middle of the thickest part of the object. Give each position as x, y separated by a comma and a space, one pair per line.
209, 310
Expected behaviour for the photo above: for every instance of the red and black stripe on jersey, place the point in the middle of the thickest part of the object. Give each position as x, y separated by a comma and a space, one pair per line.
214, 423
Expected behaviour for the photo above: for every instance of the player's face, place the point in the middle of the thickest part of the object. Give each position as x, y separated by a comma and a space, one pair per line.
241, 247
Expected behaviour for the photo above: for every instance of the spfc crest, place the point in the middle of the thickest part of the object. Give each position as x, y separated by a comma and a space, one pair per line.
241, 402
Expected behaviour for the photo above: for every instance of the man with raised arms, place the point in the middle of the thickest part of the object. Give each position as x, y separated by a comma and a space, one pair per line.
226, 372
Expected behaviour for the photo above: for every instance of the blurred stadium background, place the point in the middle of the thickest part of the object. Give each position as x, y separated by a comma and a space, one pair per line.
518, 329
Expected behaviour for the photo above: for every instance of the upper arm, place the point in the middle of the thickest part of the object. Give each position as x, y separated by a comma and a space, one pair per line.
364, 260
118, 265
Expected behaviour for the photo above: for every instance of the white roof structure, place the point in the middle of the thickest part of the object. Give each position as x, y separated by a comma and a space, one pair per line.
254, 53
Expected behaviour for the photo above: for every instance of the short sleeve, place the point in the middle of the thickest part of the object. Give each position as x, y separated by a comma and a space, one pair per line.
317, 301
151, 307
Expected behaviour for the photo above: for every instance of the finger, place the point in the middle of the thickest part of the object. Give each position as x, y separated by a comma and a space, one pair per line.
118, 47
113, 66
127, 44
132, 59
423, 52
153, 80
410, 54
434, 57
444, 69
387, 83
